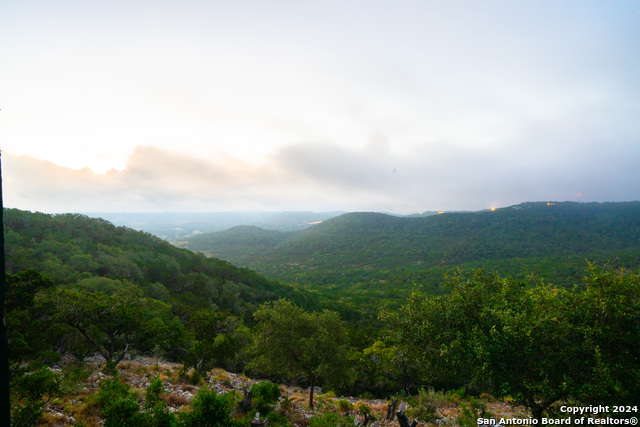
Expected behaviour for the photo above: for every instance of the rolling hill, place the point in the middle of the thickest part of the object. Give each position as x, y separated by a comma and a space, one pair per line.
73, 248
377, 255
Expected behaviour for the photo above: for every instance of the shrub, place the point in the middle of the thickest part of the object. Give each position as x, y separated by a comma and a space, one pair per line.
123, 411
269, 391
331, 420
344, 405
469, 416
29, 413
209, 409
286, 403
487, 397
32, 387
365, 411
175, 399
278, 420
423, 406
154, 390
265, 395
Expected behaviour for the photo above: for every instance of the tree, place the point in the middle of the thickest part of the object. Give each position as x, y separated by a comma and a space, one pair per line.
607, 323
216, 341
491, 333
28, 327
295, 344
110, 323
539, 344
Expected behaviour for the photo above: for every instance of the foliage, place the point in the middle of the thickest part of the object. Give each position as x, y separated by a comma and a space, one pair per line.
209, 410
344, 405
423, 406
293, 343
95, 255
535, 342
470, 413
31, 388
331, 419
381, 257
28, 329
120, 408
109, 323
265, 395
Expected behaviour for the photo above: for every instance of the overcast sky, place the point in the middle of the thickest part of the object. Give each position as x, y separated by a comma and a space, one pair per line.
361, 105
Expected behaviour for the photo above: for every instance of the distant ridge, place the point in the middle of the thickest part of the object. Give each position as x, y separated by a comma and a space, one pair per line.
176, 226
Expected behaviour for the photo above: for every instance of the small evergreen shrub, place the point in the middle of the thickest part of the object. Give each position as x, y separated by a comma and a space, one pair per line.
265, 395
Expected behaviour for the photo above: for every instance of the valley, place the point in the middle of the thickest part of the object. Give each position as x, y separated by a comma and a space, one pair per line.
511, 311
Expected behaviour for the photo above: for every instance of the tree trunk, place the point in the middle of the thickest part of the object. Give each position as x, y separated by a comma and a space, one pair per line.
313, 383
245, 404
391, 409
403, 419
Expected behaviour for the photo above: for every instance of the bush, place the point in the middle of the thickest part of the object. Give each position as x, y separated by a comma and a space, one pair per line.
344, 405
209, 410
29, 387
365, 411
120, 408
269, 391
265, 395
154, 390
423, 406
27, 414
331, 420
469, 416
487, 397
124, 411
278, 420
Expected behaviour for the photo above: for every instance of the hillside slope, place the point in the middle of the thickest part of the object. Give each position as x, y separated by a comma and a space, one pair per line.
551, 240
70, 248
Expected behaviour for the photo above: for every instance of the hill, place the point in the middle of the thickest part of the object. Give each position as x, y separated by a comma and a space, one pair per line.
72, 248
383, 256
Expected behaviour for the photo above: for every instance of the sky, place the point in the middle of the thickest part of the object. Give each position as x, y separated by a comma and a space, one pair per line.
351, 105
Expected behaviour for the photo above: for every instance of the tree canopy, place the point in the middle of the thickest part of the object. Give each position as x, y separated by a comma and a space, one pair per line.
296, 344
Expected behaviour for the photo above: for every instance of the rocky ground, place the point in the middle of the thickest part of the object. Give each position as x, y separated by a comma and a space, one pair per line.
75, 405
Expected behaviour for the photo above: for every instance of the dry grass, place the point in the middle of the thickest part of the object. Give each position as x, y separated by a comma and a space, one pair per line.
175, 400
77, 405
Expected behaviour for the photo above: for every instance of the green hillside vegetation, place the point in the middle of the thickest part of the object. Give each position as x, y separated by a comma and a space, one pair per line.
92, 254
81, 287
373, 256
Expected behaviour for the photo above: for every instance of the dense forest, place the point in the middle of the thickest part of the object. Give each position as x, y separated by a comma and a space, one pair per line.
80, 287
384, 257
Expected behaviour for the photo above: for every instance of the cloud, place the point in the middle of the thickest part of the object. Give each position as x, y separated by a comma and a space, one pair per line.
323, 176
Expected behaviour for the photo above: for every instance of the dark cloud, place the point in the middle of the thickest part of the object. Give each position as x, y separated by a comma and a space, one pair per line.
328, 177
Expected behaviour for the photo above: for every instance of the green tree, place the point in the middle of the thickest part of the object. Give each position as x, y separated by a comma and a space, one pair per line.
491, 333
214, 338
607, 323
293, 343
535, 342
29, 331
110, 323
